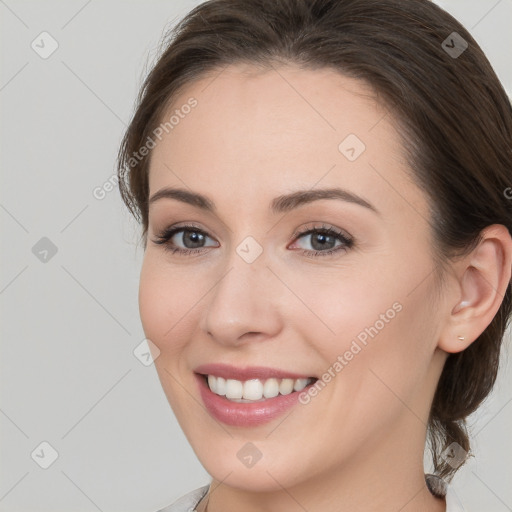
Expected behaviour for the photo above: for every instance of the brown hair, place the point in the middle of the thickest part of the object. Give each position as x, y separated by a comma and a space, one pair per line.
452, 112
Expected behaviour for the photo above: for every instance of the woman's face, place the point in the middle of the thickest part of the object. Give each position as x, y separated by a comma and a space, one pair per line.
265, 291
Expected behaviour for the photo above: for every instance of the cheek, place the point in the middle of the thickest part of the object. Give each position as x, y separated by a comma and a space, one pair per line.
352, 305
164, 300
393, 330
165, 308
371, 320
151, 310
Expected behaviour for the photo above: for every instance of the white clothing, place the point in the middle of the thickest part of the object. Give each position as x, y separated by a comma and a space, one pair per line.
189, 501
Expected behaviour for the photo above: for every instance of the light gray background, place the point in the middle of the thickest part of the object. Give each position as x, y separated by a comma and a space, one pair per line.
70, 325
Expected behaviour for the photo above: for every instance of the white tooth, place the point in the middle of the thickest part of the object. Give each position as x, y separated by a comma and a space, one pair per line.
300, 384
234, 388
253, 389
244, 401
286, 386
221, 386
270, 388
212, 383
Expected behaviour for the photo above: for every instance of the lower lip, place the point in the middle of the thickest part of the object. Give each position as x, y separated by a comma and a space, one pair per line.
245, 414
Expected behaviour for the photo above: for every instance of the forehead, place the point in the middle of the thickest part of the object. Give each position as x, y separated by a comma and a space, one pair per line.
255, 131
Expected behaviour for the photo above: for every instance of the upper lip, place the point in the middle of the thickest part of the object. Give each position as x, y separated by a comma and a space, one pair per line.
249, 372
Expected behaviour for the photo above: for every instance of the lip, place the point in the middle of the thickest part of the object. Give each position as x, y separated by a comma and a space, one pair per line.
245, 414
250, 372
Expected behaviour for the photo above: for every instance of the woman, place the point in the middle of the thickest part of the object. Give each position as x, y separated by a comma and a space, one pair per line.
322, 187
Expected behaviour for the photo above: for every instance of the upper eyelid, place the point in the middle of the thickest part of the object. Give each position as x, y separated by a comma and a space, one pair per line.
299, 232
312, 226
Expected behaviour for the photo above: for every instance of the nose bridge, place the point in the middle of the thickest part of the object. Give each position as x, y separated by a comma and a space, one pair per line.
243, 299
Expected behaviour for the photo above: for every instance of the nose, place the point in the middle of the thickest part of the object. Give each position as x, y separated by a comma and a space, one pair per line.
244, 304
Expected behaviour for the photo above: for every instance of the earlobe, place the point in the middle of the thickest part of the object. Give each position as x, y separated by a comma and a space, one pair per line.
482, 278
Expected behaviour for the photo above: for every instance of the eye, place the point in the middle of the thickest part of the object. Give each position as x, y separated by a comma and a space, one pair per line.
323, 240
192, 237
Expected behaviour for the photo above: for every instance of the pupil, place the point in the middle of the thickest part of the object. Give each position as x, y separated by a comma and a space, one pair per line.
196, 239
322, 240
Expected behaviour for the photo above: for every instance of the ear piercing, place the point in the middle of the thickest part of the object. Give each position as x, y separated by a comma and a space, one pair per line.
461, 338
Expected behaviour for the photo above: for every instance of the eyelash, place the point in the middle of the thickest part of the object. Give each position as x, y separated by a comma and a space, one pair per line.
164, 237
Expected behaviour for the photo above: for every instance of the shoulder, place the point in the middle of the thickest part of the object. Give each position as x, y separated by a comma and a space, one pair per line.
188, 502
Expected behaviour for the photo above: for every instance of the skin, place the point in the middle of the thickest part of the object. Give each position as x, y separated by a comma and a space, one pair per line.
358, 445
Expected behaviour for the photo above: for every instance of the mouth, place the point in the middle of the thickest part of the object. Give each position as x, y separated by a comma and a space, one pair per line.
248, 397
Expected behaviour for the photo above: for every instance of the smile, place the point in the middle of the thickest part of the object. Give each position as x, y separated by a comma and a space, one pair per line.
254, 389
248, 397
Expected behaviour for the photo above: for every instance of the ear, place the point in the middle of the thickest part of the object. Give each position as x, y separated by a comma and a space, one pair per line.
476, 293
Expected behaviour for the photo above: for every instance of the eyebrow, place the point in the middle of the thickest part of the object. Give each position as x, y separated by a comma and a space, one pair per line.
280, 204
